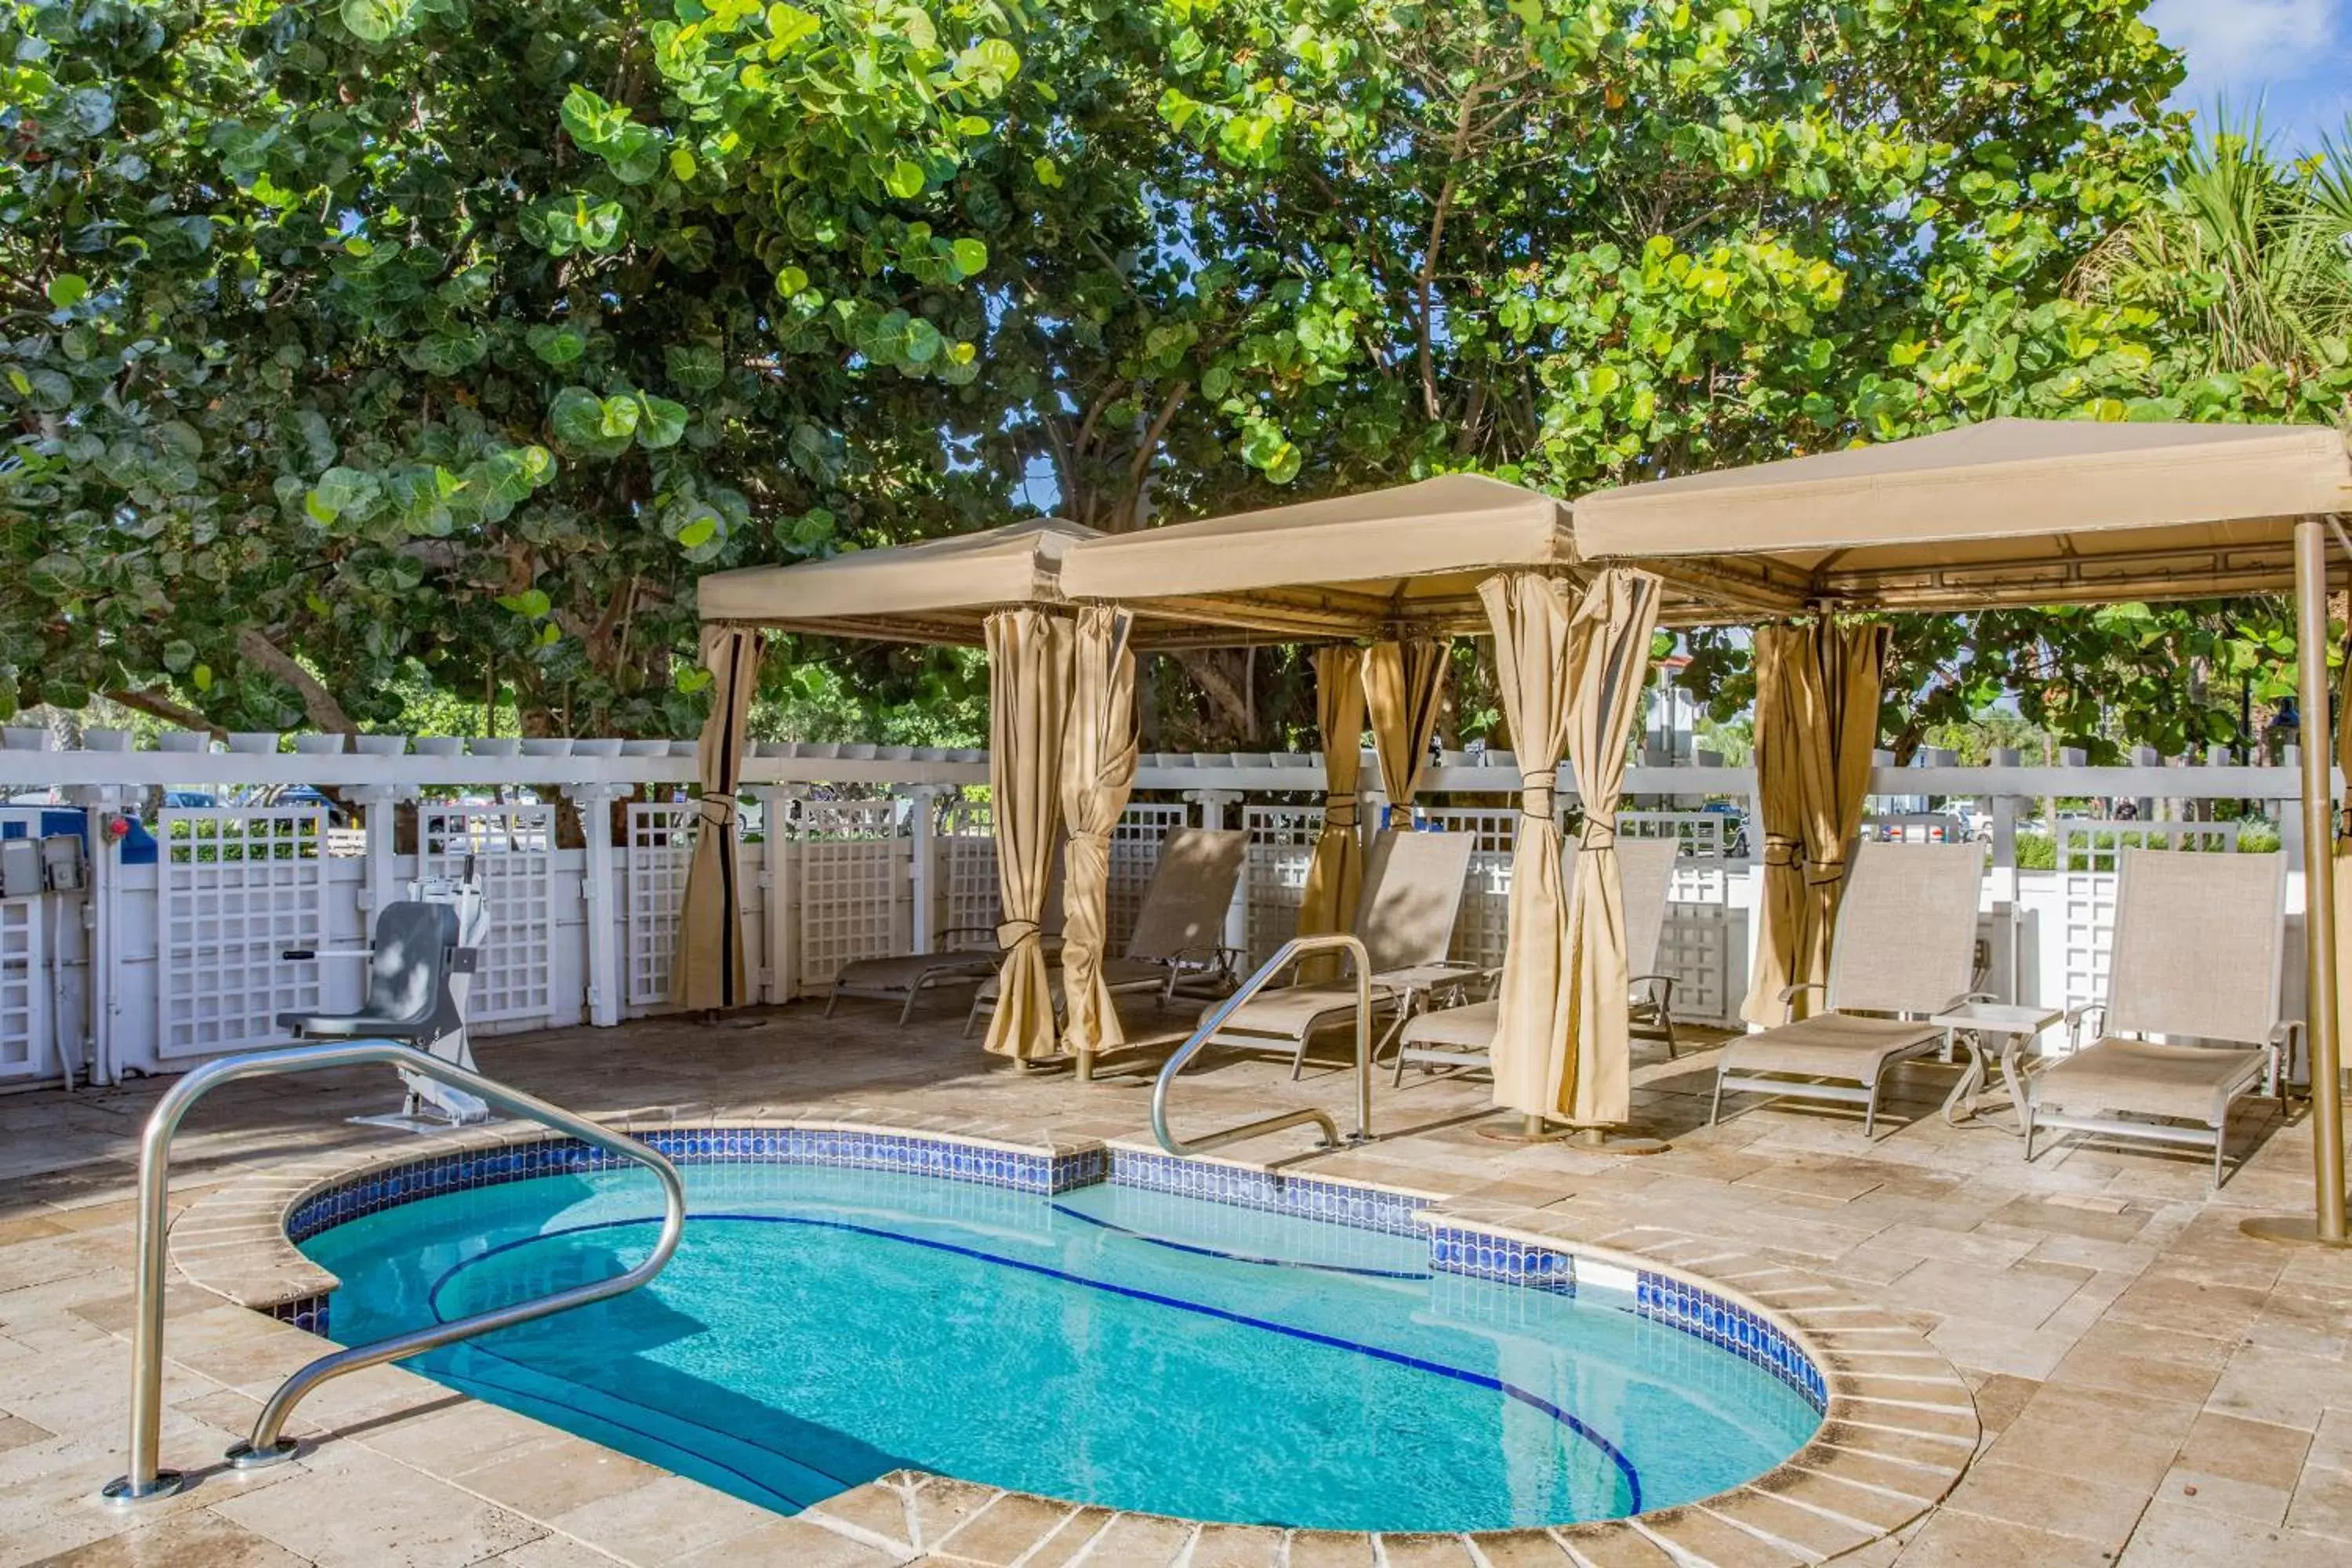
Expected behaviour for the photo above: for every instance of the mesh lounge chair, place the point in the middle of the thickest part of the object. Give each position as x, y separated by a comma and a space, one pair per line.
1904, 950
1179, 931
1412, 891
1462, 1037
968, 956
2199, 940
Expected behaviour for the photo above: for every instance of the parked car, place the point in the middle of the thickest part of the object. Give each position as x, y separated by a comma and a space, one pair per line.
1735, 832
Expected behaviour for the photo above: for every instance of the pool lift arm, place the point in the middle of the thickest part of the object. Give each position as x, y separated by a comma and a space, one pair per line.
420, 968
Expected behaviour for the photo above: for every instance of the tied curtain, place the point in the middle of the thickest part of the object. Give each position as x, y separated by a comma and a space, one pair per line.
1403, 685
709, 970
1336, 873
1817, 691
1570, 681
1029, 658
2314, 729
1097, 775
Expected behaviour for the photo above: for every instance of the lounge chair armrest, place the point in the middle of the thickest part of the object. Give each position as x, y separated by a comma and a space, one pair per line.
1662, 986
2286, 1042
2075, 1018
1789, 994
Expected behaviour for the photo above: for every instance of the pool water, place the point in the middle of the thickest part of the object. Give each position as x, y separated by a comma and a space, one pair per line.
820, 1327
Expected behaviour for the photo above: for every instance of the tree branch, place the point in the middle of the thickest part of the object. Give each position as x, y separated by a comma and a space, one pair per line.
171, 713
318, 704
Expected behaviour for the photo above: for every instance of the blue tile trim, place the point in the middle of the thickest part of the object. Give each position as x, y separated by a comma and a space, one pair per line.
309, 1314
1484, 1256
1703, 1314
1398, 1214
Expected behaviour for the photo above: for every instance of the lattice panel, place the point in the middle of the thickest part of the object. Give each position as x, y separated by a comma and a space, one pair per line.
1281, 842
660, 847
23, 988
847, 901
1695, 945
1135, 845
965, 857
514, 854
2088, 850
236, 887
1481, 930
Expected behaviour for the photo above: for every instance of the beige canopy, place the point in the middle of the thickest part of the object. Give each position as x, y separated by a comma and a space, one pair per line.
1407, 559
937, 591
2012, 511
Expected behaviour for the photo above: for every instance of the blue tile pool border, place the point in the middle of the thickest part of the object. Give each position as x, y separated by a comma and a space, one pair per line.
1455, 1249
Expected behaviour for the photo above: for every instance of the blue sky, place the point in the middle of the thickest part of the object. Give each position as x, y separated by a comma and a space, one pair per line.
2292, 57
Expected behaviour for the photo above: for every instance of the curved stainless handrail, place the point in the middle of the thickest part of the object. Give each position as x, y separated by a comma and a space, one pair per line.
267, 1445
1290, 952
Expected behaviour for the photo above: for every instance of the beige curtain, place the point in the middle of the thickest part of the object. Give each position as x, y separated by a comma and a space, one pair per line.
1028, 702
1569, 681
1403, 685
1817, 690
1337, 871
1097, 775
708, 971
2314, 728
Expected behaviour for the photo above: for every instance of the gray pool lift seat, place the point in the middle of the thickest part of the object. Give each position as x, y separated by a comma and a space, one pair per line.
418, 970
1179, 938
1905, 951
1463, 1037
2191, 1019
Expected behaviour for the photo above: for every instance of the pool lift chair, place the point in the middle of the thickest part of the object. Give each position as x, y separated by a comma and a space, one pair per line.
421, 967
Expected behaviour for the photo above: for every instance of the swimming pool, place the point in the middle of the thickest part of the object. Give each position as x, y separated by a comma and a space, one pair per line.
1084, 1334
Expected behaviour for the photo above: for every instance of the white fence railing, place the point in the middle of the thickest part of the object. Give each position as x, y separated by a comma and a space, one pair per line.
168, 957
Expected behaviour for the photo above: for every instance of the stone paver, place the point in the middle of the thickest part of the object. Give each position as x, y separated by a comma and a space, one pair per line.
2149, 1387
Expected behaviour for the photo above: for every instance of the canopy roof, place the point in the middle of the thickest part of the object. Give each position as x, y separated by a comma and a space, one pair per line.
2012, 512
1409, 558
937, 591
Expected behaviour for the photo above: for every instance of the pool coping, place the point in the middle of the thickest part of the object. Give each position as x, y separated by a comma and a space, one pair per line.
1899, 1425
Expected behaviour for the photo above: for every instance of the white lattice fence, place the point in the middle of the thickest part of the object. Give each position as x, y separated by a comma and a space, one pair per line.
513, 847
1695, 945
2088, 851
967, 898
235, 888
1481, 930
851, 886
1281, 842
23, 988
660, 846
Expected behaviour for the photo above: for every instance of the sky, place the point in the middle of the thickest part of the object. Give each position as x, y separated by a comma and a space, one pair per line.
2290, 57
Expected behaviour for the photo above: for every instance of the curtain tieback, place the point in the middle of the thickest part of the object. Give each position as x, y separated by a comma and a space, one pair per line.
1340, 811
1597, 836
720, 810
1538, 795
1821, 873
1780, 851
1010, 935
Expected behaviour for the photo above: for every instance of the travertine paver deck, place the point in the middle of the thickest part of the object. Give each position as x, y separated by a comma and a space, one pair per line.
2153, 1388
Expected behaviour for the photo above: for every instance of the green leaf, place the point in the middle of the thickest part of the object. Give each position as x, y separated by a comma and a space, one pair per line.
698, 533
618, 419
904, 179
58, 575
557, 345
375, 21
530, 603
577, 416
68, 290
660, 422
788, 25
970, 256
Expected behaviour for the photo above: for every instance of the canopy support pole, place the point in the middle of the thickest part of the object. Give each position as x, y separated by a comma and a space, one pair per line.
2325, 1227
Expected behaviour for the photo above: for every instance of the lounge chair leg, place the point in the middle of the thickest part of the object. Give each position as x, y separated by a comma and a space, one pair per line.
1716, 1110
972, 1016
2029, 1135
832, 1000
2220, 1140
907, 1008
1298, 1059
1666, 1022
1870, 1113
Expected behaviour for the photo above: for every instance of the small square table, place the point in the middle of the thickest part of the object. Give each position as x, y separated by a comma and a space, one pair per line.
2016, 1024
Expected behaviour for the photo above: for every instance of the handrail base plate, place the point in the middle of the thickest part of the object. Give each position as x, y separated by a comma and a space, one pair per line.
246, 1457
167, 1483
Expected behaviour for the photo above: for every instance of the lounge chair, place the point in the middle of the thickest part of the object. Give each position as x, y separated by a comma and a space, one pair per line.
1179, 933
1461, 1037
1905, 951
2199, 940
967, 955
1412, 893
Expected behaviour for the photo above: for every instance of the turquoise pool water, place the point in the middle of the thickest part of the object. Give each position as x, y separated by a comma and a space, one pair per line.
820, 1327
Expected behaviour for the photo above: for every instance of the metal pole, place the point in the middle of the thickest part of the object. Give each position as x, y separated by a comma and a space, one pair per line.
2325, 1227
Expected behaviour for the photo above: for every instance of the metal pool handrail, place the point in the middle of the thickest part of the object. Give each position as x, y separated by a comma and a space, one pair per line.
267, 1445
1289, 953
